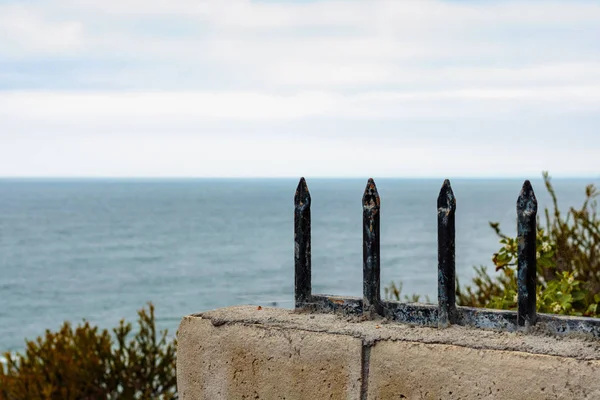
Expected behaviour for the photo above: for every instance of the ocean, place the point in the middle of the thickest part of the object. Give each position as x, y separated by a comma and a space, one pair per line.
99, 249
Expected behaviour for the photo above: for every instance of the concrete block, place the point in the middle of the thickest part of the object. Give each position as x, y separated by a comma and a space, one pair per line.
408, 370
235, 361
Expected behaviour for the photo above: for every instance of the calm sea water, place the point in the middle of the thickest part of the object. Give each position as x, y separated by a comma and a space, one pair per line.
100, 249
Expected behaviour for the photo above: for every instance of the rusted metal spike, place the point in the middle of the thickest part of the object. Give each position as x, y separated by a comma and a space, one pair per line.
526, 269
371, 250
302, 251
302, 196
446, 204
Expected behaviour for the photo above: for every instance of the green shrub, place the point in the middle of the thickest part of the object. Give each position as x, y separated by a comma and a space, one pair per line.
88, 363
394, 291
568, 264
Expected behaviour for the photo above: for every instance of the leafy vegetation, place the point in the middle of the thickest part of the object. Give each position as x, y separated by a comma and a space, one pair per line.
87, 363
568, 263
395, 291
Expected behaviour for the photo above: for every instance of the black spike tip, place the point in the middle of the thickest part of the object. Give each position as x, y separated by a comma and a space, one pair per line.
302, 196
371, 196
527, 203
446, 199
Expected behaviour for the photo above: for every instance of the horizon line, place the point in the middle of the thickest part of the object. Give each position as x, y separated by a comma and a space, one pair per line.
176, 177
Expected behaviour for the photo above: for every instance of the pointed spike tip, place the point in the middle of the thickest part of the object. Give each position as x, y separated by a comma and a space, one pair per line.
371, 185
527, 202
302, 196
371, 196
371, 188
527, 190
446, 199
302, 186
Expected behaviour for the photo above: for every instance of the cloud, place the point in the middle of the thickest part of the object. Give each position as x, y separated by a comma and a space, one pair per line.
211, 154
303, 43
26, 31
197, 106
81, 82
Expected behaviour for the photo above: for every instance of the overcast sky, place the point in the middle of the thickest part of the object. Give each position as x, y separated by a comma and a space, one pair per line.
405, 88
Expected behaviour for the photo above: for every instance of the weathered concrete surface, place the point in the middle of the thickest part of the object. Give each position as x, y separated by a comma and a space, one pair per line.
246, 352
239, 361
425, 371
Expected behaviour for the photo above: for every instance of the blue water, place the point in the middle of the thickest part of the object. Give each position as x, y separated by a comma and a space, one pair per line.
100, 249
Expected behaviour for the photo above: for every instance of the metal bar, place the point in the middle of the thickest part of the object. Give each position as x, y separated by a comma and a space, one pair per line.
446, 204
480, 318
371, 249
302, 251
526, 270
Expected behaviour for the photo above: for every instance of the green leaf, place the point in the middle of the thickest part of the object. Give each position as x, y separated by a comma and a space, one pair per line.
578, 295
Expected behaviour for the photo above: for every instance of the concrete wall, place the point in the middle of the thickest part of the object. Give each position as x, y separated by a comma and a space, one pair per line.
251, 353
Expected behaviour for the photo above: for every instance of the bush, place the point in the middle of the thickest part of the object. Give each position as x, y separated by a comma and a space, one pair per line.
88, 363
568, 263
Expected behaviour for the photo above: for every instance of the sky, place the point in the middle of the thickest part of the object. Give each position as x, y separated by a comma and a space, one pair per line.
241, 88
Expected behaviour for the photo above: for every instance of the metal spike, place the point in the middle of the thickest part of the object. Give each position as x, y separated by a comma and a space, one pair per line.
371, 250
302, 245
527, 263
446, 256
